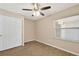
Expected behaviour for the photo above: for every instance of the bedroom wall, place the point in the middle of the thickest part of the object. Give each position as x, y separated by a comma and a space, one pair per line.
29, 28
46, 30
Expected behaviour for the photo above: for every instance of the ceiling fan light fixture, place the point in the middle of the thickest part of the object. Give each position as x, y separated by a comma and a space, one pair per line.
36, 13
37, 10
35, 6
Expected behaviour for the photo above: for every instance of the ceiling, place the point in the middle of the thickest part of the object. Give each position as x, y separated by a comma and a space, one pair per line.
17, 8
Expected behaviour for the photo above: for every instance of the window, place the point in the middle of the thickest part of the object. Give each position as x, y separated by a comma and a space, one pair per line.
68, 28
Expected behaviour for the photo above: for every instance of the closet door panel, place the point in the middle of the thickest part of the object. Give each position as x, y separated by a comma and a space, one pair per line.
11, 30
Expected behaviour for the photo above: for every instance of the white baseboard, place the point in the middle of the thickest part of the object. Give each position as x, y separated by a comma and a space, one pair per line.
58, 47
30, 40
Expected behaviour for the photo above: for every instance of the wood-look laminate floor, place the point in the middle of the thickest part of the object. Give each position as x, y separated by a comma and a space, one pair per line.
34, 48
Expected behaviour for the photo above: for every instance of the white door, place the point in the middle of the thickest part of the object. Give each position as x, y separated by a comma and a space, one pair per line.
1, 34
10, 32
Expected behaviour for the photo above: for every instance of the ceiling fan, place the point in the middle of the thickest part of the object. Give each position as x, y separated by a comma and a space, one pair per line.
37, 10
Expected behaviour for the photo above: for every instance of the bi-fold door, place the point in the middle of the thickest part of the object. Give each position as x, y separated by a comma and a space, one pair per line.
10, 32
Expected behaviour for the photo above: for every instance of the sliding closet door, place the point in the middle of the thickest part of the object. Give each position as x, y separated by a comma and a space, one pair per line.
11, 30
1, 34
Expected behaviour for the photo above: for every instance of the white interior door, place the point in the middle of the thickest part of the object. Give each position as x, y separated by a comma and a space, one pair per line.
1, 41
10, 32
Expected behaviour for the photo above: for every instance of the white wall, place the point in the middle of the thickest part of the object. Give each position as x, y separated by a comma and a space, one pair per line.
29, 30
46, 31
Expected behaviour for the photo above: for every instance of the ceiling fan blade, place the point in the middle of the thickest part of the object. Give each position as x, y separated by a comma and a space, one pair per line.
27, 9
42, 14
45, 8
32, 15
